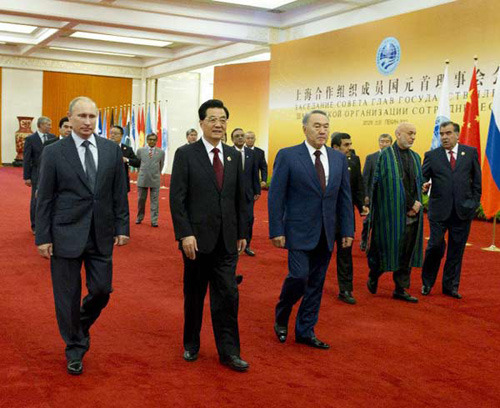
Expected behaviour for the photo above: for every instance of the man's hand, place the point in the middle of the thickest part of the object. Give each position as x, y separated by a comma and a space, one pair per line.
190, 246
263, 184
278, 242
256, 197
241, 244
417, 206
367, 200
27, 183
45, 250
121, 240
426, 186
347, 242
365, 211
125, 160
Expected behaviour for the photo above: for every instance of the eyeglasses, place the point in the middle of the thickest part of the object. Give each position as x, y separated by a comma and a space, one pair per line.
213, 120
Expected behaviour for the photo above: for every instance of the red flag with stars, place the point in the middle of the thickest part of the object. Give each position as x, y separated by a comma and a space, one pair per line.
469, 135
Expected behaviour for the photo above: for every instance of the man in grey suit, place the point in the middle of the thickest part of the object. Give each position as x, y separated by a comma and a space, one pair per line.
81, 213
33, 147
152, 160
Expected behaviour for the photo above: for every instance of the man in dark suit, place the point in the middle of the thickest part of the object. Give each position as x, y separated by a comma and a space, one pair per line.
260, 157
129, 157
342, 142
33, 147
384, 140
309, 194
82, 212
64, 131
455, 176
251, 177
208, 207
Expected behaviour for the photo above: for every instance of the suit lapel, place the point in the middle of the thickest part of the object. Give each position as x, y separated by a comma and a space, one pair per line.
332, 170
102, 158
228, 162
71, 155
443, 156
204, 160
460, 156
308, 165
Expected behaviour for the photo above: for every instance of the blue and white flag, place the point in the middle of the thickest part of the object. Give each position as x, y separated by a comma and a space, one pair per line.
443, 114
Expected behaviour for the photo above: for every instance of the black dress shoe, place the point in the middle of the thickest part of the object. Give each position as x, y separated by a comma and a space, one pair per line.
249, 252
190, 355
346, 297
154, 225
312, 342
239, 279
75, 367
372, 285
281, 332
138, 221
235, 363
453, 294
404, 295
426, 290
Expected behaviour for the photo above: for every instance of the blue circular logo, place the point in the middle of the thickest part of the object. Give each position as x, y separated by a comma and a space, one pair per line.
388, 55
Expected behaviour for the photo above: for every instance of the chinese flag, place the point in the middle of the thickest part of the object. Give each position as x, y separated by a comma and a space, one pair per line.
469, 134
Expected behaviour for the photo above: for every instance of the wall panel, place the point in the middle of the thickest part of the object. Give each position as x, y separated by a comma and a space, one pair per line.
60, 88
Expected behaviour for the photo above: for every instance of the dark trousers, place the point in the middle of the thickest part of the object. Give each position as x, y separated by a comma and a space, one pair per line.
217, 269
74, 320
34, 186
305, 279
401, 277
364, 232
250, 206
344, 265
458, 233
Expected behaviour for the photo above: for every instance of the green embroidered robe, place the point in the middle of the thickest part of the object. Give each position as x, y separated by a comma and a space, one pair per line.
388, 210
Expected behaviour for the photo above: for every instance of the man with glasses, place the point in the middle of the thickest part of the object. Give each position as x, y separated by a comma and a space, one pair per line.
208, 206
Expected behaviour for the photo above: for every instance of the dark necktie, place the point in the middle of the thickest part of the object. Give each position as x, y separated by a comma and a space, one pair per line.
320, 170
452, 160
44, 138
150, 153
90, 168
219, 171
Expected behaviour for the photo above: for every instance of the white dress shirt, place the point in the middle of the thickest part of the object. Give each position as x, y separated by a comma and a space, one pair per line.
323, 157
42, 136
81, 149
209, 148
455, 153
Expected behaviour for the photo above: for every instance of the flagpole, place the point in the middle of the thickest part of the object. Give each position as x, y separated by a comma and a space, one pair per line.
493, 247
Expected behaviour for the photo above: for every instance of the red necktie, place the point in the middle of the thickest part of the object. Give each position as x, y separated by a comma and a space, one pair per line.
150, 153
320, 170
219, 171
452, 160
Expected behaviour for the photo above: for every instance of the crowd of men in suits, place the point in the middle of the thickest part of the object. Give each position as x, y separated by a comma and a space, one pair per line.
80, 184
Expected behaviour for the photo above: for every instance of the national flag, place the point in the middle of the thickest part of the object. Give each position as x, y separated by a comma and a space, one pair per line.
148, 121
141, 127
443, 114
112, 120
158, 126
490, 198
98, 125
124, 119
104, 120
164, 135
469, 134
119, 122
133, 130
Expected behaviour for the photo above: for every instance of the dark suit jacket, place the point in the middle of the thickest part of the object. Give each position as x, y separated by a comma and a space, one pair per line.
128, 152
260, 157
33, 148
459, 188
198, 207
66, 205
356, 180
298, 208
369, 172
250, 174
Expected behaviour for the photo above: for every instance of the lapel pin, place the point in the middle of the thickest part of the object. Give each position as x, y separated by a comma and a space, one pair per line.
228, 158
463, 153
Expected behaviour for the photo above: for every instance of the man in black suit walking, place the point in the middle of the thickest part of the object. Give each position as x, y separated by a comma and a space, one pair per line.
129, 157
33, 147
208, 206
384, 140
82, 212
454, 173
251, 176
343, 142
260, 156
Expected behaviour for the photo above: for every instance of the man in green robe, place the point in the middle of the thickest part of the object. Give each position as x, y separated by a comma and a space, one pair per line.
396, 219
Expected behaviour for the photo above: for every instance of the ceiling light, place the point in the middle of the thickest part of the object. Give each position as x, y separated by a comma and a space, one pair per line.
17, 28
115, 38
93, 52
266, 4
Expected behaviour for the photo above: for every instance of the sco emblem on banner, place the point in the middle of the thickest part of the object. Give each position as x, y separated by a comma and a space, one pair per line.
388, 55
